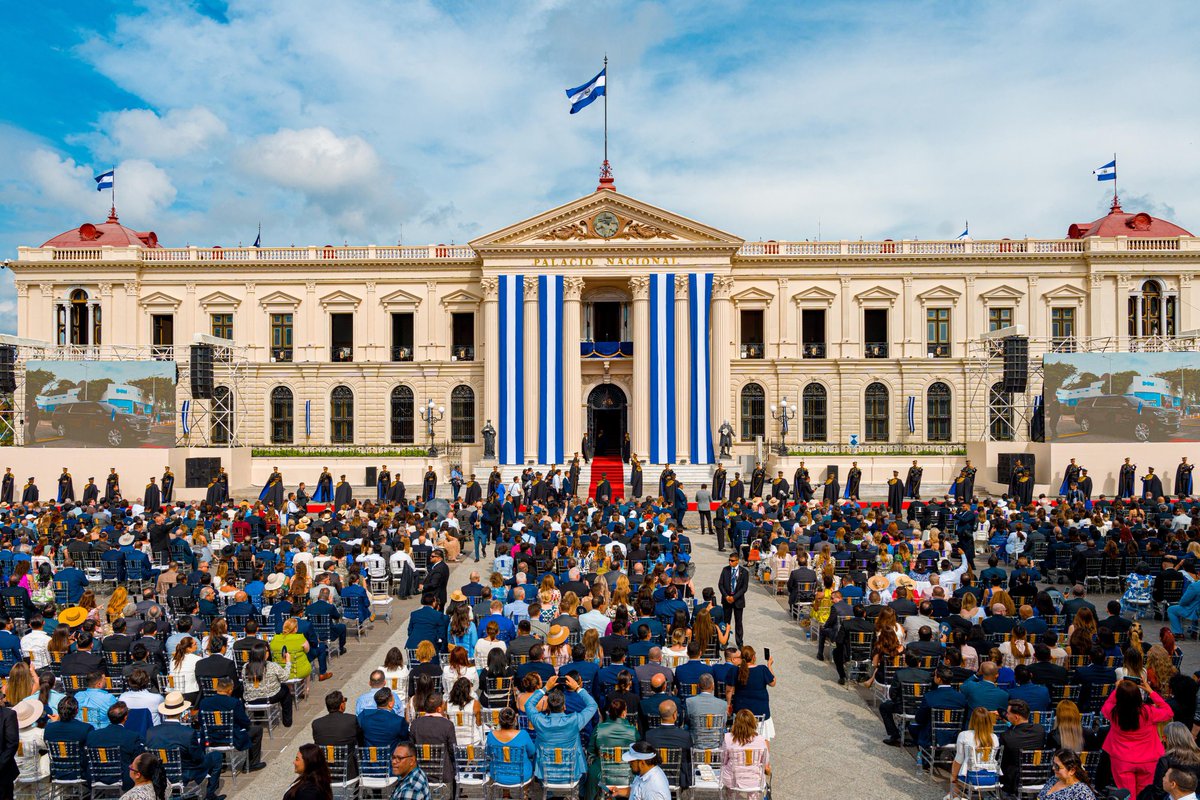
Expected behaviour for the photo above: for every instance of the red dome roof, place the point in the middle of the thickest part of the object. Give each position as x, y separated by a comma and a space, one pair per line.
110, 232
1119, 223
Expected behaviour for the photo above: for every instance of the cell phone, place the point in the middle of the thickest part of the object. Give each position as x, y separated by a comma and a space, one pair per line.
767, 653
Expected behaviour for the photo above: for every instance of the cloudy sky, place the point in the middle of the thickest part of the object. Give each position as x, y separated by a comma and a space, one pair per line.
371, 122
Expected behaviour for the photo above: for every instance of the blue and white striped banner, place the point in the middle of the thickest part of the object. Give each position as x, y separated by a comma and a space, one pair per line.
185, 417
699, 303
662, 368
510, 428
550, 334
912, 414
308, 417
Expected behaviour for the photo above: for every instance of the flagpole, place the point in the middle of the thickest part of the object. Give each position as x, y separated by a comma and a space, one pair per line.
606, 108
1114, 180
113, 193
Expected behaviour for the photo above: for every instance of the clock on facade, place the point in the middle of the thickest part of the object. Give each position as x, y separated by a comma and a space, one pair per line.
605, 224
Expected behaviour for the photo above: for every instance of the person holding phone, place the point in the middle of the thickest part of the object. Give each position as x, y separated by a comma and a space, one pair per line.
748, 690
554, 725
1133, 744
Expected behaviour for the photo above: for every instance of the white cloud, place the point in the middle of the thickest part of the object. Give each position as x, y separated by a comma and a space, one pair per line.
142, 133
143, 190
61, 181
313, 160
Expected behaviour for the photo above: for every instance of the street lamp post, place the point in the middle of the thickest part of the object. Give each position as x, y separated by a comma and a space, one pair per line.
432, 415
784, 414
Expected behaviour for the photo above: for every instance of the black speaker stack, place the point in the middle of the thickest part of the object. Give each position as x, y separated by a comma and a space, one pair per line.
1006, 461
372, 477
8, 364
202, 371
1016, 364
199, 471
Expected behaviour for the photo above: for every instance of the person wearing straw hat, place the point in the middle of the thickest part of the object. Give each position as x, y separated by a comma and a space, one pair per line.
171, 733
33, 764
72, 617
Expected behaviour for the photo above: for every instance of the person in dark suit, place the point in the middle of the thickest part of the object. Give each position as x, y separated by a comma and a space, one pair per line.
669, 736
10, 738
68, 728
322, 607
83, 661
982, 690
943, 696
1114, 621
246, 735
171, 734
216, 665
1035, 695
337, 728
427, 624
1022, 735
434, 728
1093, 675
437, 578
909, 673
1045, 671
382, 726
734, 581
117, 735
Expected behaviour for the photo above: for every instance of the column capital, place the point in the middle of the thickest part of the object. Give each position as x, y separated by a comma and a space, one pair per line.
531, 288
47, 289
1185, 280
1097, 280
105, 289
722, 287
23, 289
370, 286
639, 287
681, 287
490, 288
572, 288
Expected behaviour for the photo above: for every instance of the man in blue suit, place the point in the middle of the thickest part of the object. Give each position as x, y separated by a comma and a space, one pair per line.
942, 696
382, 726
171, 734
983, 691
117, 735
321, 607
246, 735
74, 578
1188, 606
1035, 694
427, 624
117, 558
68, 728
558, 728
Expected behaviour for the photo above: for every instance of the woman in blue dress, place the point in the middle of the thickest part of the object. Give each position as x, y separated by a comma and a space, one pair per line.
748, 690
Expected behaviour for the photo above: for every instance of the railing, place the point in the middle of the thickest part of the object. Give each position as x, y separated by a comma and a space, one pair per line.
937, 350
875, 350
590, 349
965, 247
402, 354
752, 350
341, 355
253, 254
814, 350
463, 352
281, 354
880, 449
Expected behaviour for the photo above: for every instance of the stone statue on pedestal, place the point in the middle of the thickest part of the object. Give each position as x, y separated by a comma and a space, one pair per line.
726, 439
489, 440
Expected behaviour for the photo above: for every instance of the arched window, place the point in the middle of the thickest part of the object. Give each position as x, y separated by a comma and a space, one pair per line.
341, 415
877, 416
462, 415
1152, 310
1000, 414
937, 412
222, 415
403, 429
282, 416
815, 410
754, 412
78, 319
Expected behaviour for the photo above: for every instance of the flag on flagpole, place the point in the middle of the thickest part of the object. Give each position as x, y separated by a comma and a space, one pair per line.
582, 96
258, 239
105, 180
1106, 173
966, 231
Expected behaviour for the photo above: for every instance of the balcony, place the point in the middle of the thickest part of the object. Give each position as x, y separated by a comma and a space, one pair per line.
937, 350
462, 352
341, 355
281, 355
814, 350
875, 350
402, 353
590, 349
753, 350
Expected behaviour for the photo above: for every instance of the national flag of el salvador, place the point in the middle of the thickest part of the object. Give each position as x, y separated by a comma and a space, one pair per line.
1106, 173
105, 180
583, 95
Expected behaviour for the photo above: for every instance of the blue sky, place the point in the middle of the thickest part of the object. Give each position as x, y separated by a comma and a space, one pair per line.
368, 121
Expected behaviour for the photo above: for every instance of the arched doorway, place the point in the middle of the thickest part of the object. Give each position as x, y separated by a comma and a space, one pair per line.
608, 419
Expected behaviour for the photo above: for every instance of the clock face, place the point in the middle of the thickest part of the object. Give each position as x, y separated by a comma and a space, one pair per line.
605, 224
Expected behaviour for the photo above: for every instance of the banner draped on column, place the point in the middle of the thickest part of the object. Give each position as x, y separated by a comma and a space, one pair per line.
699, 308
510, 428
662, 368
550, 333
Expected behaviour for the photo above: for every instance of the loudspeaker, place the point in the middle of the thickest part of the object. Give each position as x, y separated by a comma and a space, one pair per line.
8, 375
1005, 462
198, 472
372, 476
832, 469
202, 371
1016, 364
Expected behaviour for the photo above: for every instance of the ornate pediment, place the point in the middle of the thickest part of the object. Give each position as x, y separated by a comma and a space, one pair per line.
159, 299
626, 229
400, 299
939, 294
876, 295
279, 300
219, 299
339, 298
1065, 292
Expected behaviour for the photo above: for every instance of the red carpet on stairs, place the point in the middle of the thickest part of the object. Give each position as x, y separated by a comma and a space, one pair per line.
611, 466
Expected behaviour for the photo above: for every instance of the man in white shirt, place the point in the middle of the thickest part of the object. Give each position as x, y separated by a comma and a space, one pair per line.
33, 644
950, 578
595, 620
1179, 783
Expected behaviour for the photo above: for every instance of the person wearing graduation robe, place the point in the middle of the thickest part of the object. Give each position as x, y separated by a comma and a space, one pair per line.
212, 495
802, 489
1152, 487
635, 475
626, 448
396, 491
167, 485
91, 492
1085, 484
429, 484
472, 492
737, 489
912, 484
30, 493
6, 486
586, 448
495, 482
758, 479
343, 495
853, 481
272, 493
223, 485
895, 493
780, 488
1070, 475
830, 493
152, 498
968, 474
66, 487
324, 491
1013, 477
383, 483
718, 483
1183, 478
572, 473
665, 479
112, 485
1125, 480
604, 493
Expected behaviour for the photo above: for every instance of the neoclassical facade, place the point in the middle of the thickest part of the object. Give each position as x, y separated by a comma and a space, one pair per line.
608, 315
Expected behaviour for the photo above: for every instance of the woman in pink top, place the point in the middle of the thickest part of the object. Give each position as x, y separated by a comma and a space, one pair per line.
1133, 744
746, 757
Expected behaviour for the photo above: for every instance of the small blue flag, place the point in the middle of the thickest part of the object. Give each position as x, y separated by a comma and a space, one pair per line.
258, 240
105, 180
966, 231
582, 96
1106, 173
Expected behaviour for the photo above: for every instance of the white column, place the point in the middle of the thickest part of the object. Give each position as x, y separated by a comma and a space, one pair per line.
491, 351
683, 373
572, 371
722, 350
639, 407
532, 354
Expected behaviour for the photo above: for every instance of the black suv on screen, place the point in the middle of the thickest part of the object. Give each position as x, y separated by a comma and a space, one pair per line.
1124, 415
95, 422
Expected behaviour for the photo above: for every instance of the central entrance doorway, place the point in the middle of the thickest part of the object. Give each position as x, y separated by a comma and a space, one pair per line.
608, 419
